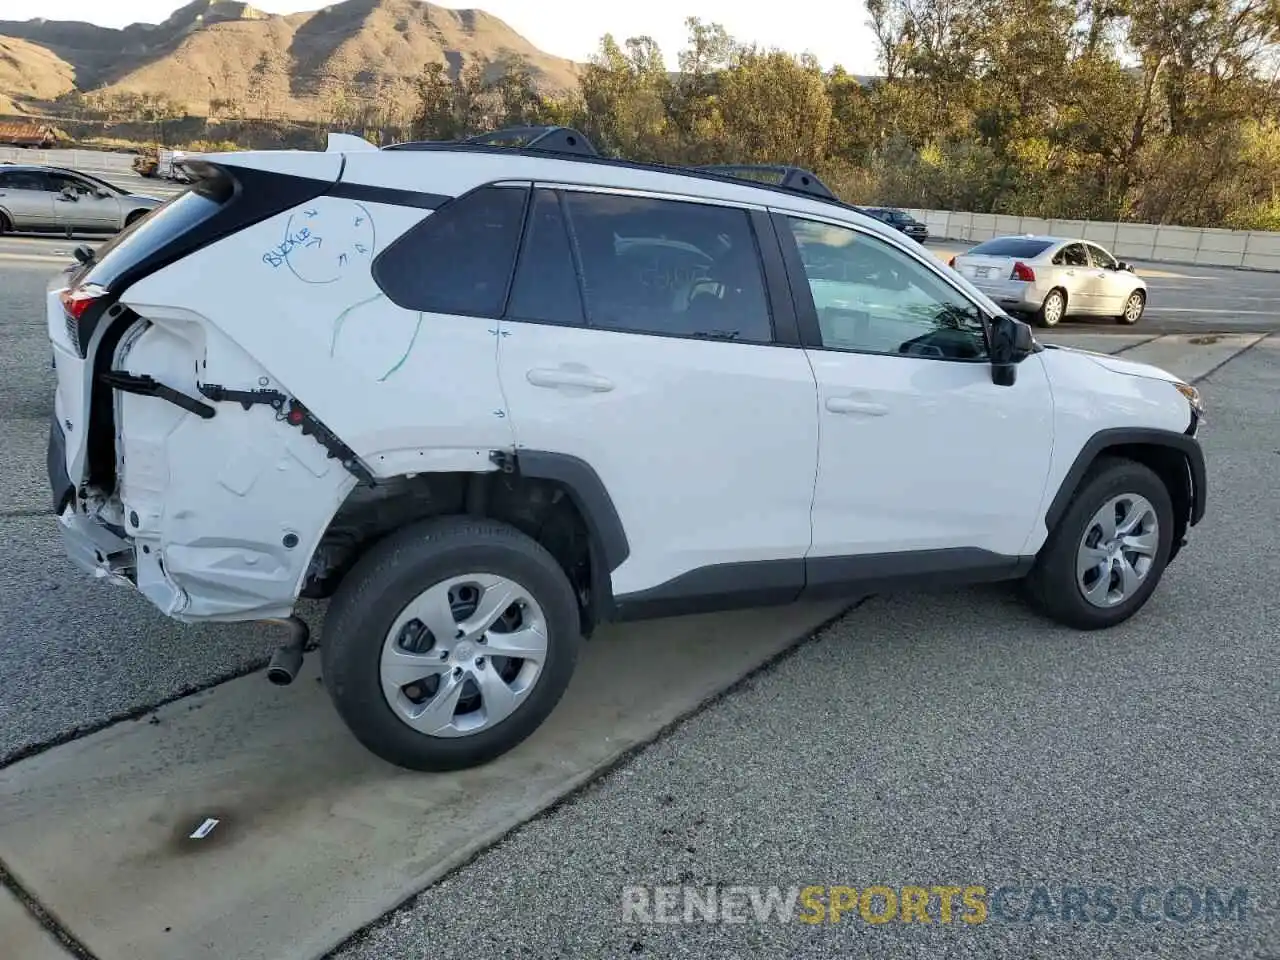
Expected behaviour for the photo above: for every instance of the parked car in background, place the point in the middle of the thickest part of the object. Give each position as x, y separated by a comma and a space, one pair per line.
901, 220
1049, 278
36, 198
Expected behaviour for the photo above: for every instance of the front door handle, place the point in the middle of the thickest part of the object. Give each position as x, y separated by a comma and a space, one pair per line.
864, 407
560, 377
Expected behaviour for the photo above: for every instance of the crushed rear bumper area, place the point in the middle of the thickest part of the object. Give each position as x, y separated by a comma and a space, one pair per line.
89, 543
60, 484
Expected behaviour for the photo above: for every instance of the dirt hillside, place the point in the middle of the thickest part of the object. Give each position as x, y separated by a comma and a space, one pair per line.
215, 50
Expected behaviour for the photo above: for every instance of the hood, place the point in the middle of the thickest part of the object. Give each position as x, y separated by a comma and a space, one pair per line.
1119, 365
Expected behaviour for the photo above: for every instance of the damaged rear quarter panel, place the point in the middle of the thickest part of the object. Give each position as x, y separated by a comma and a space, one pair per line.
214, 505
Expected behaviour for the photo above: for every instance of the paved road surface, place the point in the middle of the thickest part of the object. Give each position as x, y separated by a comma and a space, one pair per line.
932, 740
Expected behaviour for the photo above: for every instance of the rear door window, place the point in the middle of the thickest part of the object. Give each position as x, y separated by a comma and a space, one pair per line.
1072, 255
669, 267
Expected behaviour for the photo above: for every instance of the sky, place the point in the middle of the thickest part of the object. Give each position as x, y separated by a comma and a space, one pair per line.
834, 31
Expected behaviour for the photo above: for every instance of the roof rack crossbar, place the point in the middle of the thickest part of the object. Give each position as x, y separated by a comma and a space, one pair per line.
787, 177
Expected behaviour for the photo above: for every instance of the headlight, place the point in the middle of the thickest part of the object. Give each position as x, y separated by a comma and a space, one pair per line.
1193, 397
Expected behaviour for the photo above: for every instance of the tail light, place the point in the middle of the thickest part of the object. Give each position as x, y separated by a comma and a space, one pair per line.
76, 302
1022, 272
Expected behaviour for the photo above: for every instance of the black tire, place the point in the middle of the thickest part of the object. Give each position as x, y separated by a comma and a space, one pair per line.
6, 225
1052, 586
391, 575
1142, 306
134, 217
1043, 314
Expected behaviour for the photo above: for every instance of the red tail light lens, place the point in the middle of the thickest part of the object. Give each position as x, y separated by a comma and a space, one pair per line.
78, 300
75, 304
1022, 272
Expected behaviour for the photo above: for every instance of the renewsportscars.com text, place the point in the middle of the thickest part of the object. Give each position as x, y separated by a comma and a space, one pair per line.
936, 903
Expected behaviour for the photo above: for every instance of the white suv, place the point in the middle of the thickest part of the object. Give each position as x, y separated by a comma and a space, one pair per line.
487, 397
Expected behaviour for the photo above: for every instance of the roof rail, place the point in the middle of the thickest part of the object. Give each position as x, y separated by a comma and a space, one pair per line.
789, 178
548, 139
570, 143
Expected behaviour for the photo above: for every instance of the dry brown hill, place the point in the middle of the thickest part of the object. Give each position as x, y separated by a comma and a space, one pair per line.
216, 50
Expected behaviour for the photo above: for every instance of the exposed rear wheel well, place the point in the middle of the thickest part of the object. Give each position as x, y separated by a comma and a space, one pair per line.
134, 217
541, 509
6, 225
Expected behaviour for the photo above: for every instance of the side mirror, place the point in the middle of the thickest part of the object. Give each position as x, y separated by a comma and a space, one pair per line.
1125, 265
102, 194
1011, 343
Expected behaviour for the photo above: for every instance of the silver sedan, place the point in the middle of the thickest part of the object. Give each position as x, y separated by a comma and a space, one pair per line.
1049, 278
50, 199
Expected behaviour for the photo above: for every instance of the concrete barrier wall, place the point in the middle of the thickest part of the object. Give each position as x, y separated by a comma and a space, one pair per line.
1250, 250
90, 161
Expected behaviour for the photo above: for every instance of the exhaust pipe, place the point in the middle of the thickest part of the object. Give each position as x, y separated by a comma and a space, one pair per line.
286, 662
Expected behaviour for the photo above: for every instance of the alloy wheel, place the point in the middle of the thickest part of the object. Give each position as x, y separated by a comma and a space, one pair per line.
1117, 550
463, 655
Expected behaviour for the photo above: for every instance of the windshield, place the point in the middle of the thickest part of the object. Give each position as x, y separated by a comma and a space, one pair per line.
1022, 247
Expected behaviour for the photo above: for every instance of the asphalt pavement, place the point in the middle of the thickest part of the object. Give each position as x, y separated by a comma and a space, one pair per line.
949, 739
954, 740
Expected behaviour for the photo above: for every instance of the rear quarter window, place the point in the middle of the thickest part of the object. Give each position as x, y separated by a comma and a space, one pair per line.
1011, 247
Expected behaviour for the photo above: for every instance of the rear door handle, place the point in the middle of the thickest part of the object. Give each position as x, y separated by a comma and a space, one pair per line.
560, 377
864, 407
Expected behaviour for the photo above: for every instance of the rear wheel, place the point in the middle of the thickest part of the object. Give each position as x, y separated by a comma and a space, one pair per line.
6, 225
1102, 562
134, 217
1053, 309
1134, 306
450, 642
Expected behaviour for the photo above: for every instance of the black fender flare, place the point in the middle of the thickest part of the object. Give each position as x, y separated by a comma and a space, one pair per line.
589, 495
1121, 437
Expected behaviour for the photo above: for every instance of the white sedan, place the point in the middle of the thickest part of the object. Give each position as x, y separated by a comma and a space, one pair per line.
1049, 278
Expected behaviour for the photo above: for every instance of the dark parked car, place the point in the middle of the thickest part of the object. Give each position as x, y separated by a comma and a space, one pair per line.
908, 224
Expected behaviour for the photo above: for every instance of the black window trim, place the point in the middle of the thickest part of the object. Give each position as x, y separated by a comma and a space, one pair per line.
778, 300
807, 312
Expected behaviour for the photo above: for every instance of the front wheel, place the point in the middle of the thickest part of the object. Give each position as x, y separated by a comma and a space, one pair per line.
450, 642
1102, 562
1134, 306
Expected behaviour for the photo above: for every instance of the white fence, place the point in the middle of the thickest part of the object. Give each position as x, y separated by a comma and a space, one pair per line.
1241, 249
